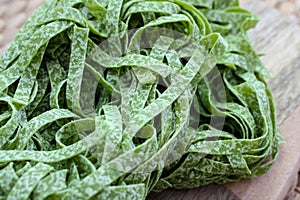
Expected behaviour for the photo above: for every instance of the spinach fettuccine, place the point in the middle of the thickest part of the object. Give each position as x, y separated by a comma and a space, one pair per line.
113, 99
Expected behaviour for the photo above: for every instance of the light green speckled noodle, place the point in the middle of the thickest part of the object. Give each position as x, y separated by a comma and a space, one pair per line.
83, 117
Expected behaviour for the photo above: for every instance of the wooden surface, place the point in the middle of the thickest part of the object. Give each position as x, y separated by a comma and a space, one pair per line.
13, 13
290, 8
278, 36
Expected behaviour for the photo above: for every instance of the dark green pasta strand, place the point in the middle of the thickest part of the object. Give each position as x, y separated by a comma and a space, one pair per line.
28, 181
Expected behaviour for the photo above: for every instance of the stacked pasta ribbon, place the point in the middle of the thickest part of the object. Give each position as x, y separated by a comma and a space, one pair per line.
114, 99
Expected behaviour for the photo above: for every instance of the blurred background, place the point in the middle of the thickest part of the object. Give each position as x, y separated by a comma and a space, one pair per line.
13, 13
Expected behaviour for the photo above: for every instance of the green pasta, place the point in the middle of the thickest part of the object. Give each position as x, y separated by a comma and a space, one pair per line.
115, 99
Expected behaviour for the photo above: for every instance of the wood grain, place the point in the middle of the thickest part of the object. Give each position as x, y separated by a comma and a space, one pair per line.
278, 37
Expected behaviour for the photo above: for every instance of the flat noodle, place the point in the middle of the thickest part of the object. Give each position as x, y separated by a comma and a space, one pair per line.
115, 99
